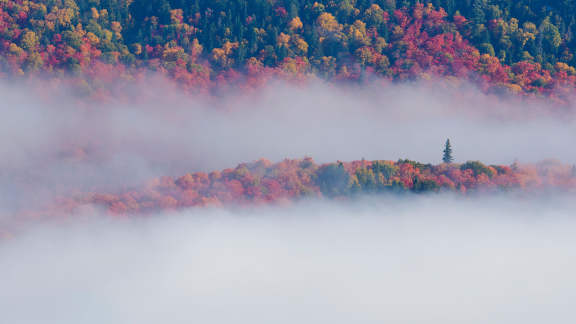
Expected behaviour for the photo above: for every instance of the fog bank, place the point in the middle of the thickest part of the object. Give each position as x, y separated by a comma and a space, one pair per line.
427, 259
54, 143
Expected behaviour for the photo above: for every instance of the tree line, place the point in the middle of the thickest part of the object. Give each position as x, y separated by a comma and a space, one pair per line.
263, 182
524, 46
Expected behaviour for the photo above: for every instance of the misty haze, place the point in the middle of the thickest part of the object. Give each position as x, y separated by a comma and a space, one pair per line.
416, 260
311, 161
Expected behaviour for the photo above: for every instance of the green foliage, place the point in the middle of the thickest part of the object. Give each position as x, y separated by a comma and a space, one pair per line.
500, 169
262, 181
386, 169
447, 156
415, 164
376, 177
424, 185
333, 180
478, 168
333, 37
487, 48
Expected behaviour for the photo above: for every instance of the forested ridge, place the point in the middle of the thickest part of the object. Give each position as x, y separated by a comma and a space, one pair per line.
503, 46
96, 47
264, 182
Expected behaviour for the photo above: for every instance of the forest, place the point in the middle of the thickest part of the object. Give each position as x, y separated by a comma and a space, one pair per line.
505, 47
523, 49
287, 161
288, 181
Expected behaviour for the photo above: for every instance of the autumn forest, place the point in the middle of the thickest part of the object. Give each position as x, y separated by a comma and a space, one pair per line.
287, 161
502, 46
97, 50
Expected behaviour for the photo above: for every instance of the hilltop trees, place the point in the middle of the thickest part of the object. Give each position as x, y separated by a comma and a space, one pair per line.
263, 182
447, 157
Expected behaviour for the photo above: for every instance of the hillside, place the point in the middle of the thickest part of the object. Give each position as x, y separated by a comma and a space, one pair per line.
502, 46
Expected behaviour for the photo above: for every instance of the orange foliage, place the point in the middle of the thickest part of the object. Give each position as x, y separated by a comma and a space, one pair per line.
265, 182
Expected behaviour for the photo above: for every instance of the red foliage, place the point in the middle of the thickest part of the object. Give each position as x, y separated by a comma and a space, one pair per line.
263, 182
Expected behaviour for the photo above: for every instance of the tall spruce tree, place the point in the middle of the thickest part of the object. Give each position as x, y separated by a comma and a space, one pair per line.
447, 157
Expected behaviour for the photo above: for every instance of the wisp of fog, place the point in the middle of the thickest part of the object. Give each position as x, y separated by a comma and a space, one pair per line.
59, 143
425, 259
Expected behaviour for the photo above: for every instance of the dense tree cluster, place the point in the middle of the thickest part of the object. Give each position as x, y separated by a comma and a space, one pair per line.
263, 182
521, 46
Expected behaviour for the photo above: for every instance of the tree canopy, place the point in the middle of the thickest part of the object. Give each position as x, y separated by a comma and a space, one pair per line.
263, 182
505, 46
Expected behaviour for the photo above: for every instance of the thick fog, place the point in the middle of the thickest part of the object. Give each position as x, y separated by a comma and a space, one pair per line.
52, 141
419, 259
424, 259
158, 125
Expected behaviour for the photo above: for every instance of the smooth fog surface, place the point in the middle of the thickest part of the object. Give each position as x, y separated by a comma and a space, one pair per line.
436, 259
53, 143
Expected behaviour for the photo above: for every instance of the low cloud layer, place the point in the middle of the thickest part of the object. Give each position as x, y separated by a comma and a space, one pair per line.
424, 260
55, 143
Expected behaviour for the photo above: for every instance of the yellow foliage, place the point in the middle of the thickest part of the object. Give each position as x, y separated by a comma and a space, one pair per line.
117, 29
196, 48
374, 14
254, 62
33, 62
173, 54
380, 44
63, 16
71, 4
300, 44
561, 66
70, 51
328, 24
360, 25
95, 13
218, 54
398, 32
328, 62
357, 32
29, 41
16, 50
50, 25
513, 26
108, 35
530, 27
229, 46
283, 39
92, 38
295, 24
290, 65
364, 54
